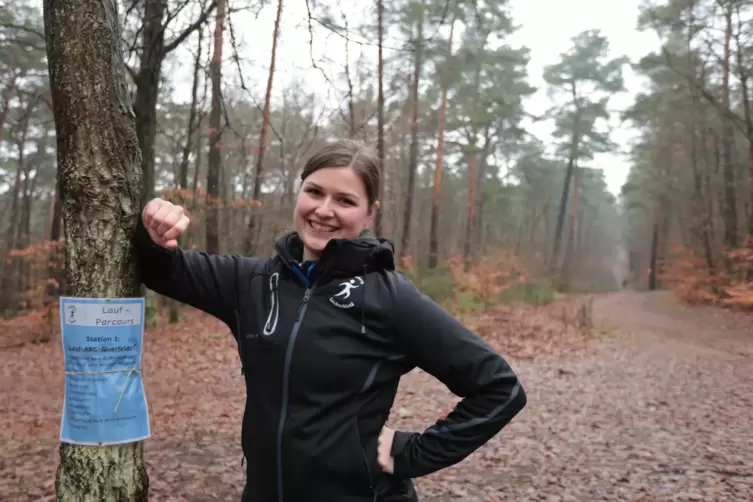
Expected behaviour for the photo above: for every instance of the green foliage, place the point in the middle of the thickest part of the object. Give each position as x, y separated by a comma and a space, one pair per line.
586, 78
490, 80
467, 304
437, 284
539, 291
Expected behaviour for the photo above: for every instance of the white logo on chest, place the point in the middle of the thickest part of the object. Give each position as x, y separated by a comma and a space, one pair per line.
344, 294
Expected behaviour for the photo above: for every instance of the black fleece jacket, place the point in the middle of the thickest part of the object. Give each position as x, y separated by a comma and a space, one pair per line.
322, 347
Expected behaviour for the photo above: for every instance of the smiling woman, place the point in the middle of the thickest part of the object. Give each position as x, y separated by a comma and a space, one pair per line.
336, 203
325, 330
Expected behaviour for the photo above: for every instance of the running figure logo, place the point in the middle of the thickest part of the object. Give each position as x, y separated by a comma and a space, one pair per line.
71, 314
344, 294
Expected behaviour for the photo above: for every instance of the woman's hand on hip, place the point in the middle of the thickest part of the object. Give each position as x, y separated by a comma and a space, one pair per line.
384, 450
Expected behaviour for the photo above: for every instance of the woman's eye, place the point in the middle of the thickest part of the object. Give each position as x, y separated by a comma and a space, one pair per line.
347, 202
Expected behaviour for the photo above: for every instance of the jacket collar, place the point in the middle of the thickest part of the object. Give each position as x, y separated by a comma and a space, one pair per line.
341, 257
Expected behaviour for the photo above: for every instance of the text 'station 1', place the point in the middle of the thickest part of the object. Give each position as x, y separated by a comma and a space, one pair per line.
103, 341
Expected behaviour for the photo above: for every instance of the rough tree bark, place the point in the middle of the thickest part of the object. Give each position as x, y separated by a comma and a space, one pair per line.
100, 177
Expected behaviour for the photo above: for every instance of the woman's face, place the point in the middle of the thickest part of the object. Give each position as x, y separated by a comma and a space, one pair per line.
332, 204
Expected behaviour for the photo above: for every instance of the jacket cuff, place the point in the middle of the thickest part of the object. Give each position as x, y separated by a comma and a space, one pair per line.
399, 443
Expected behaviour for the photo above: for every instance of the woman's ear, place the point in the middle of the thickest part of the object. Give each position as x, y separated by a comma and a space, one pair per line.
374, 208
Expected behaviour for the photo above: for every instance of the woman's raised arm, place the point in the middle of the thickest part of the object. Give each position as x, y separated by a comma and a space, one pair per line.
211, 283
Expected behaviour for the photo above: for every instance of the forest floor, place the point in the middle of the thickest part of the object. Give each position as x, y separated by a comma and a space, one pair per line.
653, 404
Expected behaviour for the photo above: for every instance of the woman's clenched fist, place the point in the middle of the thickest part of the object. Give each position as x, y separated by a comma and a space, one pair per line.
165, 222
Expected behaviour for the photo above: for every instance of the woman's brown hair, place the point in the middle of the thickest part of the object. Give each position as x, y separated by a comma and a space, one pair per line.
349, 153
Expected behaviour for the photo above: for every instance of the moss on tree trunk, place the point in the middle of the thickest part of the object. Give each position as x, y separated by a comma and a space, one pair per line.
99, 170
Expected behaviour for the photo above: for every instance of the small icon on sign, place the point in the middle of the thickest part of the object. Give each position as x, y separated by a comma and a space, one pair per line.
72, 313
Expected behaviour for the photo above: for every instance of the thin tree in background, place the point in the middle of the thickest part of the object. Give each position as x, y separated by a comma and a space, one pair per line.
418, 46
215, 125
437, 191
253, 219
380, 110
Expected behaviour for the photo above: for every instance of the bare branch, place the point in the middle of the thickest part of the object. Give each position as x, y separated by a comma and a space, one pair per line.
236, 58
187, 32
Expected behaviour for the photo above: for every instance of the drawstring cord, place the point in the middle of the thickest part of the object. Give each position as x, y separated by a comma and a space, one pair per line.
363, 301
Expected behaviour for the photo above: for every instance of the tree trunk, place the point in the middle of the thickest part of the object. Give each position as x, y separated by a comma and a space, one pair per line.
653, 263
153, 53
744, 76
545, 218
147, 88
700, 216
23, 238
9, 274
380, 113
54, 268
197, 163
413, 156
174, 310
478, 241
100, 180
467, 250
253, 221
562, 212
554, 259
5, 106
349, 80
565, 277
215, 158
709, 198
730, 195
438, 167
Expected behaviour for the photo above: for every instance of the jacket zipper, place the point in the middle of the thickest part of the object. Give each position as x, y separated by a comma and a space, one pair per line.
285, 379
368, 472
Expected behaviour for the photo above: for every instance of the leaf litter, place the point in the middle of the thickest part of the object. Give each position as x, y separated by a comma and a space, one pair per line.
653, 403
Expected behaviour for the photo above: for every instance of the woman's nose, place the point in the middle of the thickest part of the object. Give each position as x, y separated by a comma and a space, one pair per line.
324, 209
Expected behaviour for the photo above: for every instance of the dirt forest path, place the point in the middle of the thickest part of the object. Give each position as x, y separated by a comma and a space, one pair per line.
658, 407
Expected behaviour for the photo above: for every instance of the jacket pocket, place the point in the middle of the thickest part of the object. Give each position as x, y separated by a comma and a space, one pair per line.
379, 481
347, 463
369, 459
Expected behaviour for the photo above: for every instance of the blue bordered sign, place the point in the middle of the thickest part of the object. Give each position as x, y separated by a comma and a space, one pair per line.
105, 402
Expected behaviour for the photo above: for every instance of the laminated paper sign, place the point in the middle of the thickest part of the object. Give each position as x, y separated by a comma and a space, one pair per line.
105, 402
